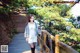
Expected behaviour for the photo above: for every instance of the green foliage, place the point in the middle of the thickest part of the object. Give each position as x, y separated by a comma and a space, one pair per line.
13, 5
48, 11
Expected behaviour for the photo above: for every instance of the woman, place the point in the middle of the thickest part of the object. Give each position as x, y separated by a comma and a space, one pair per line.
31, 32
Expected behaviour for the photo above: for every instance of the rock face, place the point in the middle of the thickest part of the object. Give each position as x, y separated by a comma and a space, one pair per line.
5, 31
7, 24
20, 21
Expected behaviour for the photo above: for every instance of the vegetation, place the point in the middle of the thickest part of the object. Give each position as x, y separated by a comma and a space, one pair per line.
57, 19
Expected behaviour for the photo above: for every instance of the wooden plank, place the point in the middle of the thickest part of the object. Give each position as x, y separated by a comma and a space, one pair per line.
66, 49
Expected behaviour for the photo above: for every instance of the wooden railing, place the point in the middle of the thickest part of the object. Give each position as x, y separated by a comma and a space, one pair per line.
51, 44
47, 42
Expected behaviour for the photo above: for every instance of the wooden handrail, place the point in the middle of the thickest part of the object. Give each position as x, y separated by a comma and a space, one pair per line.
43, 38
66, 48
43, 43
60, 47
49, 35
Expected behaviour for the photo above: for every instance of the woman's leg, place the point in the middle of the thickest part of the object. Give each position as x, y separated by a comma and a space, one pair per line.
32, 48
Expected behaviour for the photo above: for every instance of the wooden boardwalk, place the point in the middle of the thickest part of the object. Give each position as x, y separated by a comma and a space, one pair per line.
19, 45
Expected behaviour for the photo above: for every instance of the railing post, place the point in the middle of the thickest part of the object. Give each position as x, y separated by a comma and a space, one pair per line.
44, 40
41, 43
44, 35
41, 50
57, 44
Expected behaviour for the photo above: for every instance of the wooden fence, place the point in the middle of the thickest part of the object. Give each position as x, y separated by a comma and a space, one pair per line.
51, 44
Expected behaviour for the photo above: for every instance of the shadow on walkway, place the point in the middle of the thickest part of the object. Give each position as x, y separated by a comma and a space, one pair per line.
19, 45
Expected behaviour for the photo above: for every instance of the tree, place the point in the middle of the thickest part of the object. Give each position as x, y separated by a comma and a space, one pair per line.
59, 14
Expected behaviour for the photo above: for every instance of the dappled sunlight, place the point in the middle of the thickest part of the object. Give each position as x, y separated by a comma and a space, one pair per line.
29, 51
22, 14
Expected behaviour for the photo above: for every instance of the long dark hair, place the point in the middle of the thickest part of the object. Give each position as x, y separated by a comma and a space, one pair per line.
29, 17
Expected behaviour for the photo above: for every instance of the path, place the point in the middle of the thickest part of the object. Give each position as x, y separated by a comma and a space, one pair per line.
19, 45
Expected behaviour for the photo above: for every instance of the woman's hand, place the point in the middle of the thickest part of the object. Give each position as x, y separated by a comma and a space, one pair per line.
25, 36
27, 39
